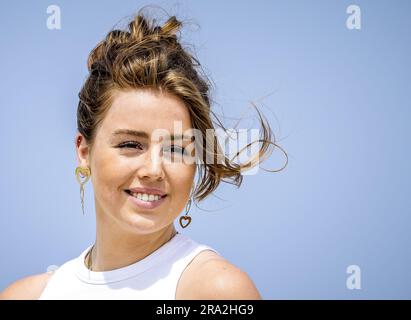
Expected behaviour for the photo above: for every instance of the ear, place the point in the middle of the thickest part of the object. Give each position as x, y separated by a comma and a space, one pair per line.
82, 151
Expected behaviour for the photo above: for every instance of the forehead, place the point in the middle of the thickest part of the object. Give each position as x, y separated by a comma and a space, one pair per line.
145, 110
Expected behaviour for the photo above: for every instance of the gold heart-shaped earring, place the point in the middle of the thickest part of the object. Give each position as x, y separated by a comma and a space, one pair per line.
82, 173
186, 216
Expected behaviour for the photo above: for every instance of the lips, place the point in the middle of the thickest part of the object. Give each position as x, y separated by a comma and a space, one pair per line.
148, 191
129, 193
140, 204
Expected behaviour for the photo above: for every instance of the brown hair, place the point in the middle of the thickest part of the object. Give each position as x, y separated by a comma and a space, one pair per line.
147, 55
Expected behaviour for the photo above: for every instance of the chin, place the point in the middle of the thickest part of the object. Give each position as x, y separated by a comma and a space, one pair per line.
141, 223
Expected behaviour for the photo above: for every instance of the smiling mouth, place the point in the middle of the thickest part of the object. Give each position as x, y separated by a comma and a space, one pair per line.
134, 195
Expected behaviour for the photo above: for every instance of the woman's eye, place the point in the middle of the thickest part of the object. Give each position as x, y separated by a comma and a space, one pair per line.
131, 144
134, 145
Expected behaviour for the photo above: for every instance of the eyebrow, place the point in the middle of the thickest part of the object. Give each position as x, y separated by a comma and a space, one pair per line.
143, 134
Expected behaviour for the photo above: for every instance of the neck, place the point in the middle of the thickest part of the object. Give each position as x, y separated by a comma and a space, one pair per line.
115, 248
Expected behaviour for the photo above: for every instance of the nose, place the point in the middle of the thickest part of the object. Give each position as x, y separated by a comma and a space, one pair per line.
151, 167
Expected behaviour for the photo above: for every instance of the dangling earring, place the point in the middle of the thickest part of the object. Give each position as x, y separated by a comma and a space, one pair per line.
186, 216
82, 173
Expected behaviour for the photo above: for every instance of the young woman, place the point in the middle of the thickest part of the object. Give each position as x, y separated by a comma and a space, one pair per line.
142, 83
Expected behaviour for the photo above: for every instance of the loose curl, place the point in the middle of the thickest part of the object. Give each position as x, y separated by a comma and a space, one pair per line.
147, 55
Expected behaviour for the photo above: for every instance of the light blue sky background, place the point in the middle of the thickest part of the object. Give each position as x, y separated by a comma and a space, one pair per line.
339, 106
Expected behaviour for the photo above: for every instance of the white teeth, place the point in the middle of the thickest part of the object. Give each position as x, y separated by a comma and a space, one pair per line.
146, 197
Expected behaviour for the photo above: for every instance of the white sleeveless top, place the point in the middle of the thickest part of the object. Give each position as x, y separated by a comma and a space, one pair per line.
155, 277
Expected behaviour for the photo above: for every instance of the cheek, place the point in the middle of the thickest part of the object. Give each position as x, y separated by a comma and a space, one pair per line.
110, 174
181, 179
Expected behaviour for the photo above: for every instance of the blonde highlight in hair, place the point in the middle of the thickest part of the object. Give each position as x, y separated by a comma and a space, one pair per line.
149, 56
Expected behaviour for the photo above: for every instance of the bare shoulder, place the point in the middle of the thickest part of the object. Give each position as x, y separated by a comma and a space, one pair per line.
211, 276
28, 288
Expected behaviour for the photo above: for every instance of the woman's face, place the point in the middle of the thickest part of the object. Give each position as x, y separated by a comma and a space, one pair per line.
120, 161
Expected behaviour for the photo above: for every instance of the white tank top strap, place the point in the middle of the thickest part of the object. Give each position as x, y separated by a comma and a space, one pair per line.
189, 250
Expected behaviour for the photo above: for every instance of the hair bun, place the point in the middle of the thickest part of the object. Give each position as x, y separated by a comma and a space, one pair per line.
139, 29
